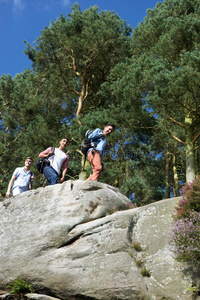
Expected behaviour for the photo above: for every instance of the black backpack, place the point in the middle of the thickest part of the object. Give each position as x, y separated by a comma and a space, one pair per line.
87, 143
43, 162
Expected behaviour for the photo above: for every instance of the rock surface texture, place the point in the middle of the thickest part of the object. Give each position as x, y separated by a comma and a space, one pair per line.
63, 240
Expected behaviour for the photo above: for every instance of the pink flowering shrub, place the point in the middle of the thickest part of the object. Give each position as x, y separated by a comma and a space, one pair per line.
185, 235
130, 205
190, 200
185, 238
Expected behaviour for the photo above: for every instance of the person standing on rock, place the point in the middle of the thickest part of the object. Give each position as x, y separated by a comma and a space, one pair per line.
57, 159
21, 180
95, 154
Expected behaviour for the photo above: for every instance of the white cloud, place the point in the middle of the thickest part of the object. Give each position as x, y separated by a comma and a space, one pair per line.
19, 5
66, 2
49, 5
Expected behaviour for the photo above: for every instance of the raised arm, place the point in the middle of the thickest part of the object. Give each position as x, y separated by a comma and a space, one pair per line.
46, 152
97, 133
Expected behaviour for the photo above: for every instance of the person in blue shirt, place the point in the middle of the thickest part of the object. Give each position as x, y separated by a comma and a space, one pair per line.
95, 155
21, 180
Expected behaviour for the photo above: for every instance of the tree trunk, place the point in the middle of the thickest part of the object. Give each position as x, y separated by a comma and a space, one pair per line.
197, 161
84, 162
190, 156
83, 174
167, 185
175, 185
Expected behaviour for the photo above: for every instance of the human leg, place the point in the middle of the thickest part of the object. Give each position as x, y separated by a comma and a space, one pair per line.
51, 175
94, 158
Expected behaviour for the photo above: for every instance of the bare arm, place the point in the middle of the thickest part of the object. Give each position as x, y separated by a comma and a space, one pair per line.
32, 179
46, 153
63, 175
65, 165
10, 186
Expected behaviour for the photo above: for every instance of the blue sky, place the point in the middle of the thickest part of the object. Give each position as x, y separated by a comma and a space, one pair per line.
24, 19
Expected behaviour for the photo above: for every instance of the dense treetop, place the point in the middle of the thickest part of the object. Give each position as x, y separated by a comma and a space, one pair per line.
90, 68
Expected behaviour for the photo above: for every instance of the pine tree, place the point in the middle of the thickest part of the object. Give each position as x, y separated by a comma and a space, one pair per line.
168, 47
74, 55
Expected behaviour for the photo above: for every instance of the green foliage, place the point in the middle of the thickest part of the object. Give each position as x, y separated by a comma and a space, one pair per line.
193, 289
128, 154
170, 50
18, 286
145, 272
163, 49
137, 246
30, 122
71, 59
74, 55
139, 262
87, 70
112, 210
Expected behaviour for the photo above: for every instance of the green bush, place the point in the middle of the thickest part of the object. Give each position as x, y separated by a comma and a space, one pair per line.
19, 286
145, 272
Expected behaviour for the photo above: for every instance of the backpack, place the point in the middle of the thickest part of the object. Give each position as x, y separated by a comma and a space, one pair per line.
87, 143
43, 162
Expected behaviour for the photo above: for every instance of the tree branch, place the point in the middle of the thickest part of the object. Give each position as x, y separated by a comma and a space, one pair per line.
74, 65
197, 147
196, 138
176, 122
175, 138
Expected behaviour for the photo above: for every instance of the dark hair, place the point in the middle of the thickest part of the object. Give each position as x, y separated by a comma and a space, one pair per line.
29, 158
65, 138
113, 126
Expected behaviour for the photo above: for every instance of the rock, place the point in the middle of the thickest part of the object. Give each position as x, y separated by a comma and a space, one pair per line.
32, 296
63, 240
40, 297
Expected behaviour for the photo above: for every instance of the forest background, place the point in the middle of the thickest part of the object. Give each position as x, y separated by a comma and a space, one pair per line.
90, 68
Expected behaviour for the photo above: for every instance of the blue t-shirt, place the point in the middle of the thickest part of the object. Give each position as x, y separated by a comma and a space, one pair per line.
100, 141
22, 181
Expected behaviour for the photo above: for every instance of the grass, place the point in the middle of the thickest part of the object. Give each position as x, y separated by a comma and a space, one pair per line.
137, 246
145, 272
19, 286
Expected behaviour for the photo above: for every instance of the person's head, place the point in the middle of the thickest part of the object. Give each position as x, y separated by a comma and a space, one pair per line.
63, 142
108, 129
28, 161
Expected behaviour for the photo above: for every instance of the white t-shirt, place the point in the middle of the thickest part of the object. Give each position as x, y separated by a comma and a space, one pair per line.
22, 181
57, 160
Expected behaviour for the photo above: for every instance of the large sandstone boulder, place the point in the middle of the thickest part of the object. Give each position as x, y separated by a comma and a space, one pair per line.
63, 240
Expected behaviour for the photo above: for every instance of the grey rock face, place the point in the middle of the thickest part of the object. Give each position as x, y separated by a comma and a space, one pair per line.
26, 297
63, 240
